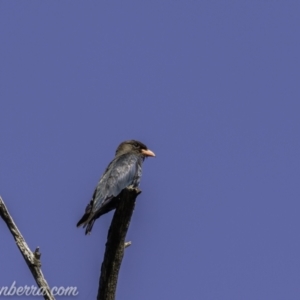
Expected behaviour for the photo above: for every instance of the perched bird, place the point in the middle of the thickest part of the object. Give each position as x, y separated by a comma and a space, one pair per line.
124, 171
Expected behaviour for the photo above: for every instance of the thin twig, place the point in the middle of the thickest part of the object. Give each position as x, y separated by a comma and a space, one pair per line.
127, 244
32, 259
115, 245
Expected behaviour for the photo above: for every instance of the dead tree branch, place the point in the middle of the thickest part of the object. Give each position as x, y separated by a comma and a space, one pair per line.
32, 258
115, 245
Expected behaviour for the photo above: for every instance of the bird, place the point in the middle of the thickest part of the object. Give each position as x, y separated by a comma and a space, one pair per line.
124, 171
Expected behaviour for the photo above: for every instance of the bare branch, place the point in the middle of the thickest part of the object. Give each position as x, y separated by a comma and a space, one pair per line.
32, 259
115, 244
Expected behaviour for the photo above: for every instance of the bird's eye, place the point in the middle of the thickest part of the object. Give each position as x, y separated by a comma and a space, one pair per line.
136, 145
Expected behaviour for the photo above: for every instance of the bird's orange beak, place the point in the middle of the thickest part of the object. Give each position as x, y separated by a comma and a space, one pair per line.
148, 152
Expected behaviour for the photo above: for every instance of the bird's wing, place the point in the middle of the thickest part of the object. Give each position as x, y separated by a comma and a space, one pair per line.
121, 172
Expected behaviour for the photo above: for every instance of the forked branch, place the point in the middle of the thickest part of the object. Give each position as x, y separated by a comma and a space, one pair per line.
32, 258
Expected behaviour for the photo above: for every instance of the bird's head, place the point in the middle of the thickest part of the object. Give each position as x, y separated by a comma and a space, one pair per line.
134, 147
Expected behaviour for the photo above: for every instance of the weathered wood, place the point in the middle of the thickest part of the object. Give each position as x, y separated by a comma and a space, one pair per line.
115, 245
32, 258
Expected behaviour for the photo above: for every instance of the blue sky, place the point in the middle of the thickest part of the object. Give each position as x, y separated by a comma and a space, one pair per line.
212, 87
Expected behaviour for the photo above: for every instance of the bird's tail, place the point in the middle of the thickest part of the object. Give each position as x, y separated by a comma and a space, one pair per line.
88, 224
83, 220
87, 219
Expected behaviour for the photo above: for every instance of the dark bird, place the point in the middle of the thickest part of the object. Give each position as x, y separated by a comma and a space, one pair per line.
124, 171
